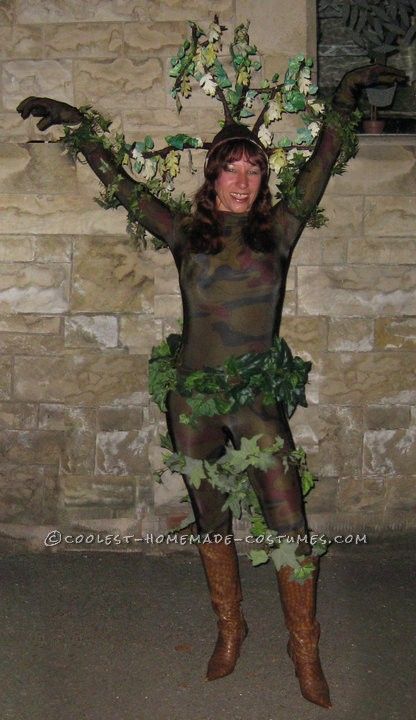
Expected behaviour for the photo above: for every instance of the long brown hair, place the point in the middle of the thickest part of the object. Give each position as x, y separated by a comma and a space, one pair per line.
204, 228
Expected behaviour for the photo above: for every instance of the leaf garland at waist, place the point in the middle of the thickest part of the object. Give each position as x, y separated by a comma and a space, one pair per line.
275, 373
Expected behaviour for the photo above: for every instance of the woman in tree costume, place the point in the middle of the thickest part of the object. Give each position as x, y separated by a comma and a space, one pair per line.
229, 381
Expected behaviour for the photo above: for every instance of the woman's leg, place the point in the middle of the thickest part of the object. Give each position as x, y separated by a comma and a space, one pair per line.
219, 556
206, 441
278, 488
279, 493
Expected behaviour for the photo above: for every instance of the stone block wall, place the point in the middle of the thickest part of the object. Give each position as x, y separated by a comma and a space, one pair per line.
80, 310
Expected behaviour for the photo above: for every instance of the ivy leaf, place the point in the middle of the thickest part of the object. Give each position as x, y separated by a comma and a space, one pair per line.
304, 136
195, 471
274, 110
180, 141
303, 572
265, 136
208, 84
209, 55
284, 142
245, 113
285, 555
186, 89
220, 75
294, 101
171, 163
304, 80
258, 557
278, 160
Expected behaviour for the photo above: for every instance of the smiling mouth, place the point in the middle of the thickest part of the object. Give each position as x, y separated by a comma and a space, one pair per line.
239, 196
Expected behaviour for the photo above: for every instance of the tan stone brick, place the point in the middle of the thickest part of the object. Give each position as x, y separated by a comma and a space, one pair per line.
345, 217
166, 278
44, 78
12, 127
82, 380
49, 214
81, 491
139, 333
142, 121
18, 416
389, 452
161, 38
36, 168
171, 327
401, 494
178, 10
382, 250
357, 291
108, 276
34, 287
7, 12
332, 438
267, 30
389, 216
168, 306
52, 248
52, 416
390, 417
361, 495
305, 334
68, 11
27, 493
32, 343
119, 418
378, 170
83, 516
354, 334
22, 42
374, 378
122, 452
91, 331
79, 429
307, 251
79, 40
30, 324
290, 303
115, 83
31, 446
16, 248
322, 498
334, 250
395, 334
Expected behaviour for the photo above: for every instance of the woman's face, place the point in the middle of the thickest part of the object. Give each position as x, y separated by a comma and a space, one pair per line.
237, 185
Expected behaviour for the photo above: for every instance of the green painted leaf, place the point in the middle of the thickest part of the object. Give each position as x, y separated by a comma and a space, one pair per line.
258, 557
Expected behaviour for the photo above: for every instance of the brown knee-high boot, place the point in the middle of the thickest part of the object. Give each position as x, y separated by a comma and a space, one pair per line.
298, 603
221, 569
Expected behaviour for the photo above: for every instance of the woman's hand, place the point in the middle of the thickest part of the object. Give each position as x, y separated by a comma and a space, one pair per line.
52, 112
356, 80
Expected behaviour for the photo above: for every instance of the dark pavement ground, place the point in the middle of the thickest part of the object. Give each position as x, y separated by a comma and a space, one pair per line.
109, 636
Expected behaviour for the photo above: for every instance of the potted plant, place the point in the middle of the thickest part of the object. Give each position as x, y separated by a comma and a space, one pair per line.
382, 28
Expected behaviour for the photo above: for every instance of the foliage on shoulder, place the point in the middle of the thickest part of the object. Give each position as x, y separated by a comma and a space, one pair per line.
230, 475
198, 63
275, 373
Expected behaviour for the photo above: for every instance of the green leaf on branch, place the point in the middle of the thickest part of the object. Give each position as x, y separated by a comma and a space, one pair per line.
181, 141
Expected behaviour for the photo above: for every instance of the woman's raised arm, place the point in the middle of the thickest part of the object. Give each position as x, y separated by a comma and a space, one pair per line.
314, 177
151, 212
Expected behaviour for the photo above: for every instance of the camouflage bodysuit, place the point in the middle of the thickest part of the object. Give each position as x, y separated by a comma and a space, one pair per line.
231, 305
